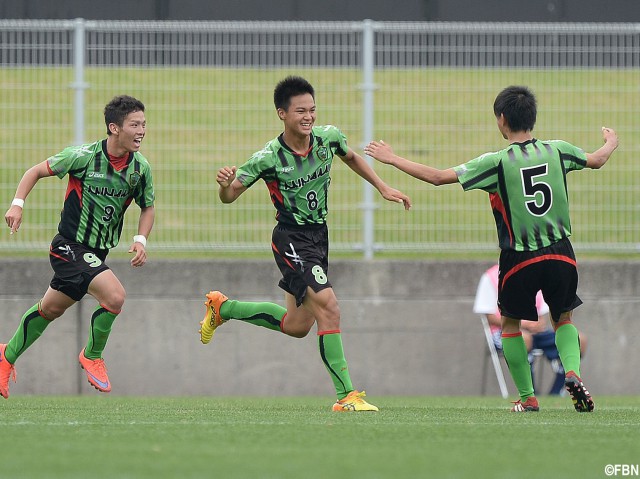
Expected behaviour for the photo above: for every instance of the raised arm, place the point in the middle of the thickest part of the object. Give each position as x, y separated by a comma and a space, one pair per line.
598, 158
383, 152
230, 187
362, 168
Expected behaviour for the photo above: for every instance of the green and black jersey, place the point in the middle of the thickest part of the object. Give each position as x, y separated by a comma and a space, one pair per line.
98, 195
298, 184
527, 186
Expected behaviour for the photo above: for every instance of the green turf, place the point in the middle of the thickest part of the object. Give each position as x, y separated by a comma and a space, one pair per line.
280, 438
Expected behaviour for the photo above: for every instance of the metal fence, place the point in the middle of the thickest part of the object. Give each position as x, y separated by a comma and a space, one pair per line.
427, 88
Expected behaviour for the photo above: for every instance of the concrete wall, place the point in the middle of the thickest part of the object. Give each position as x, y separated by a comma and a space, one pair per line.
407, 327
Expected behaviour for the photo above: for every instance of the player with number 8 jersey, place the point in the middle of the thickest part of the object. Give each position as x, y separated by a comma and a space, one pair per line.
105, 177
296, 168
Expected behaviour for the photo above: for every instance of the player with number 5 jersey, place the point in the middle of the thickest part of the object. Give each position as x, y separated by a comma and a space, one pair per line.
296, 168
527, 188
104, 178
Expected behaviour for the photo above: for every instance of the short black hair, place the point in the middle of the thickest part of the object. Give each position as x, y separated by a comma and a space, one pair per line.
518, 105
290, 86
118, 109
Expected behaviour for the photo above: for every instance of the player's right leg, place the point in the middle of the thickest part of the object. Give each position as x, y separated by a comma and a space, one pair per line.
106, 288
34, 321
568, 344
220, 309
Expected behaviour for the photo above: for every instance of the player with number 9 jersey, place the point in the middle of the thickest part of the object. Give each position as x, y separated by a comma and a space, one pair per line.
105, 177
99, 192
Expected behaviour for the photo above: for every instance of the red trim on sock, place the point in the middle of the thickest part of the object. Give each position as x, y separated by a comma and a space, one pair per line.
512, 335
282, 323
41, 313
329, 331
112, 312
563, 323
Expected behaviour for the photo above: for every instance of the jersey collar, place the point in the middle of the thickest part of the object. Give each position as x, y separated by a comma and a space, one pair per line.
303, 155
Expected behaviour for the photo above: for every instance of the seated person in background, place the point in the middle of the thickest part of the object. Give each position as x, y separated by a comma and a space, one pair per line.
536, 334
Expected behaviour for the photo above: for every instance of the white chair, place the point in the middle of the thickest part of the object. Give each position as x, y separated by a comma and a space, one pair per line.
495, 360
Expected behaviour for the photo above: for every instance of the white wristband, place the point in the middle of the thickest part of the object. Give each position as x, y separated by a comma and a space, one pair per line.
17, 202
140, 239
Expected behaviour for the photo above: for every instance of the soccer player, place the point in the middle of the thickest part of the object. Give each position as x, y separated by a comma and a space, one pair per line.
527, 188
104, 178
295, 167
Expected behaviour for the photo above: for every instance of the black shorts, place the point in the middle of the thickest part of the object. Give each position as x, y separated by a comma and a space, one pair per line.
551, 270
302, 254
74, 266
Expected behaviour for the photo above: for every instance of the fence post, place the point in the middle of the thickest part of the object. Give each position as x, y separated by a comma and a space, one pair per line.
79, 84
368, 87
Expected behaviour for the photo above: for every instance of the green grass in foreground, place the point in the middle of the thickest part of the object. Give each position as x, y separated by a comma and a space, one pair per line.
411, 437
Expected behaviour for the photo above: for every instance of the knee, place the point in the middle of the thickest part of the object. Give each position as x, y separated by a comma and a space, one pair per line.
51, 311
115, 300
299, 334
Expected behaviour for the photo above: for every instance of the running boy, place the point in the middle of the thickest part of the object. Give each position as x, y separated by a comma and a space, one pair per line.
104, 178
296, 166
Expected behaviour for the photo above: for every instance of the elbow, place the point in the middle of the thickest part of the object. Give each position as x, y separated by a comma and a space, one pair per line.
438, 180
226, 199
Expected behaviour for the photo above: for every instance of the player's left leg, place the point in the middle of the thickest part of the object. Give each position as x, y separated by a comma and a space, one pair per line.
323, 305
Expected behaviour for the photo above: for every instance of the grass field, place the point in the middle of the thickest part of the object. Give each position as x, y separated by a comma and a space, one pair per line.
281, 438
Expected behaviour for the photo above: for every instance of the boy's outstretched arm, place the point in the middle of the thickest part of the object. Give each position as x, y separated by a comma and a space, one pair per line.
598, 158
362, 168
383, 152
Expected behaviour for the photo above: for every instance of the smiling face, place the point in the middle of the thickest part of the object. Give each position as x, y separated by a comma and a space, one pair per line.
300, 116
128, 137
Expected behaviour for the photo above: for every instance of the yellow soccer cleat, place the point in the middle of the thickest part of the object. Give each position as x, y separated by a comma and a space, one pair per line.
354, 402
212, 318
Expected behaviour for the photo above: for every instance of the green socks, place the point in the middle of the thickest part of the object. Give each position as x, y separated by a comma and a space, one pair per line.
568, 344
33, 325
515, 354
101, 323
332, 354
31, 328
270, 316
267, 315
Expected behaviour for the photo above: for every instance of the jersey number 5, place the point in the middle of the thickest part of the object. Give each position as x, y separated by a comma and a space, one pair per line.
540, 192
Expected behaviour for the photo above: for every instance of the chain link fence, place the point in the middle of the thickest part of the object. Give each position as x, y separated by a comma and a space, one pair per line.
426, 88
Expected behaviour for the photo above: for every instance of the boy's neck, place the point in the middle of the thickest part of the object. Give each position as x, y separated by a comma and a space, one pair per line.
519, 136
297, 143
